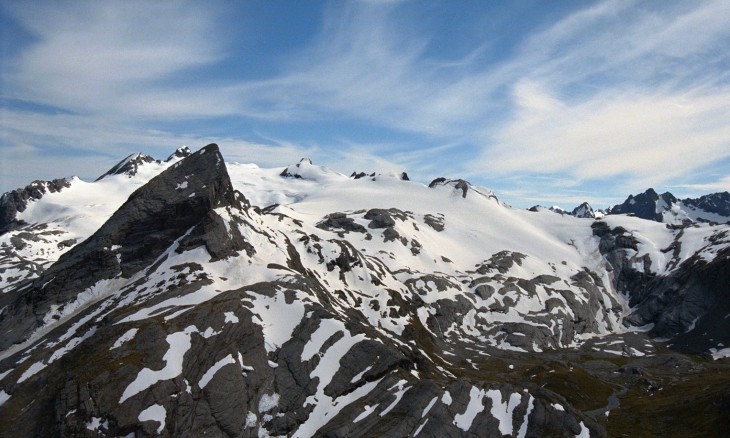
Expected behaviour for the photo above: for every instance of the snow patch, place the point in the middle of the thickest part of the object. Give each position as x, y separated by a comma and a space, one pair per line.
230, 317
154, 413
4, 396
208, 376
127, 336
179, 345
502, 411
268, 402
368, 410
475, 406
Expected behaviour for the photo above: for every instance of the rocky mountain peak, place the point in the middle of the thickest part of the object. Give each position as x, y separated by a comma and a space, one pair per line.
716, 203
128, 166
648, 205
295, 171
176, 204
180, 153
13, 202
461, 187
403, 176
669, 209
584, 210
354, 309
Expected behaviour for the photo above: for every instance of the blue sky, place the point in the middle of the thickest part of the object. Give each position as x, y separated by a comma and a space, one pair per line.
542, 102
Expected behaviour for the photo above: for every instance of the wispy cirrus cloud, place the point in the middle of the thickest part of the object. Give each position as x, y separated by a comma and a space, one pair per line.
622, 91
121, 59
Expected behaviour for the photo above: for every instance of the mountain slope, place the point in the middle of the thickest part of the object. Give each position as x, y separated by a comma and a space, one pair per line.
668, 209
230, 300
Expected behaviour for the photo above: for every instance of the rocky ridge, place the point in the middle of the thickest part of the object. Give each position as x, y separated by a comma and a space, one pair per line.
361, 307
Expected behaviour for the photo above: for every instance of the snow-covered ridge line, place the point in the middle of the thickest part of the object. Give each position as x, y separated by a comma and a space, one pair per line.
303, 302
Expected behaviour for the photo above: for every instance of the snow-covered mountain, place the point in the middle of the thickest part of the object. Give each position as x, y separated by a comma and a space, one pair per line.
667, 208
192, 297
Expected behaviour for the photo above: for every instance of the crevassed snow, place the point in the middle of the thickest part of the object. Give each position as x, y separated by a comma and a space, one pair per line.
179, 345
214, 369
154, 413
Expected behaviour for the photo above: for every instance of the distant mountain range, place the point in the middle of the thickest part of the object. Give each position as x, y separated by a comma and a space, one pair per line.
665, 208
191, 297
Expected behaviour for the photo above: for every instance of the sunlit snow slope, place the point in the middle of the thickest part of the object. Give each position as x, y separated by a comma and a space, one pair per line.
196, 297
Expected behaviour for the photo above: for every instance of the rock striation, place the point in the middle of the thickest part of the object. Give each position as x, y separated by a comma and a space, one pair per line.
356, 312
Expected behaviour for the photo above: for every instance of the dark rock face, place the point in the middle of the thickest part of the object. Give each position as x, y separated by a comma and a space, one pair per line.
459, 184
379, 218
358, 175
717, 203
340, 221
129, 165
180, 153
11, 203
293, 171
689, 305
233, 321
584, 210
177, 201
649, 205
644, 205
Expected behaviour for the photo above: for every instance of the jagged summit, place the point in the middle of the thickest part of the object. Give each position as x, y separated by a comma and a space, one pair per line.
180, 153
403, 176
668, 209
306, 170
14, 202
648, 205
162, 304
131, 165
128, 166
553, 208
172, 205
584, 210
461, 187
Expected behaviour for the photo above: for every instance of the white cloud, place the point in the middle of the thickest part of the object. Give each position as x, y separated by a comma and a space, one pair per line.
652, 138
620, 92
95, 57
721, 185
633, 91
87, 147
